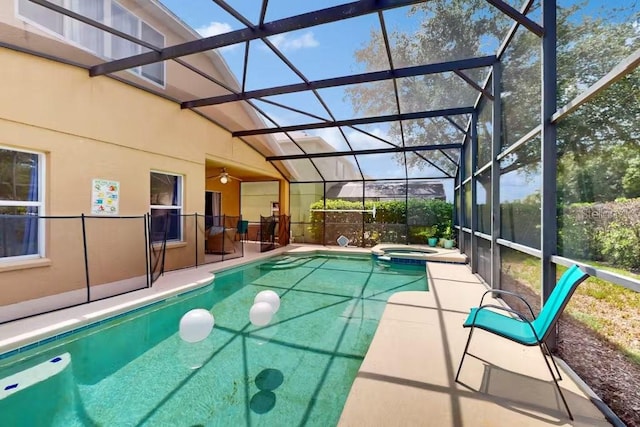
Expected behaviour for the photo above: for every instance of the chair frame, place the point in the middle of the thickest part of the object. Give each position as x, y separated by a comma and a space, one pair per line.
540, 340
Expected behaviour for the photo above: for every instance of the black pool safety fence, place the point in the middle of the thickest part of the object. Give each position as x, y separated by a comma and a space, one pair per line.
90, 258
76, 260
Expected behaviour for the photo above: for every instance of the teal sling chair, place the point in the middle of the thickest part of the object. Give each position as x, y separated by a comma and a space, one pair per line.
516, 327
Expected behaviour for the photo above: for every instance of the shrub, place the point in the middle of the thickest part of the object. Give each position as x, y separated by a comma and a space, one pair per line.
421, 234
621, 245
608, 232
577, 237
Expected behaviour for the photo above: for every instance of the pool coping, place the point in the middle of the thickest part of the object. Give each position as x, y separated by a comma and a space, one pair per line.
435, 254
86, 316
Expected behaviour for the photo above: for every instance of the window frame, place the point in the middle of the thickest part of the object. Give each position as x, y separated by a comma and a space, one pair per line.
107, 40
40, 205
179, 206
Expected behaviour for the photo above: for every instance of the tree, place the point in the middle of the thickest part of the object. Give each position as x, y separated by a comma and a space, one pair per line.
587, 49
597, 142
631, 178
433, 42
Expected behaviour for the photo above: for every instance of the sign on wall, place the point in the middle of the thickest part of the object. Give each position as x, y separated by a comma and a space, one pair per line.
104, 197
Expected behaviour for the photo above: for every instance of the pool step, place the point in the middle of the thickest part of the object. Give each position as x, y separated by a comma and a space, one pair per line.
33, 375
42, 394
286, 263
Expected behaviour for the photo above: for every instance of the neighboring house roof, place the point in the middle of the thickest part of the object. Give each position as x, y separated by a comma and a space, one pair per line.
387, 190
331, 168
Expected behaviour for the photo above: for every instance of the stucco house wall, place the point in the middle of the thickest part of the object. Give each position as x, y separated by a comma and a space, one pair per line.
88, 128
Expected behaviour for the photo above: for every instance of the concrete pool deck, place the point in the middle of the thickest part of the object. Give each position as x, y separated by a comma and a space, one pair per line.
406, 378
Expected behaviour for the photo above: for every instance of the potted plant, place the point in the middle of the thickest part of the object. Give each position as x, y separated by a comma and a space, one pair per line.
448, 236
432, 239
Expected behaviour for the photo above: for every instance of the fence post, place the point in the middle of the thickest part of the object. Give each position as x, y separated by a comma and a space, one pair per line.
223, 235
86, 258
324, 213
147, 258
196, 232
240, 238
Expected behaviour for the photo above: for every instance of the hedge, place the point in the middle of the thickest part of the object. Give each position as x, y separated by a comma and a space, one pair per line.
421, 218
607, 232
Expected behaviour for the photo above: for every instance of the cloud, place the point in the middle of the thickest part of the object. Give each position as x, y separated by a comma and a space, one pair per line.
333, 137
215, 28
358, 140
288, 43
364, 141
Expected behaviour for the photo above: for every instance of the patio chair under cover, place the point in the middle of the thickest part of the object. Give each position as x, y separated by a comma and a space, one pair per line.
515, 326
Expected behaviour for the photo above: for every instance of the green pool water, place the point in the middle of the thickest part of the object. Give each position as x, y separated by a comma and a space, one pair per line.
135, 370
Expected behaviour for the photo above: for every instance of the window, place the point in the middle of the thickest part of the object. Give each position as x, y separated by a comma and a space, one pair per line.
20, 203
85, 35
125, 21
105, 45
42, 16
166, 207
155, 71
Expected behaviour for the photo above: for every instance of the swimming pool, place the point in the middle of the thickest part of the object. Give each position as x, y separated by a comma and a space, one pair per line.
135, 370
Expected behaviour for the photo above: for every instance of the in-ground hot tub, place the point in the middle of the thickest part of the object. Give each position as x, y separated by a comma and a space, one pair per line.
415, 254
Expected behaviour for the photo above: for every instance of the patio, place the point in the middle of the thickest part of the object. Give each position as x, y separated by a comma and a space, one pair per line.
508, 126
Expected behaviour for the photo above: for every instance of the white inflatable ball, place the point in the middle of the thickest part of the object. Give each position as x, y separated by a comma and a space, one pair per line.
196, 325
260, 313
270, 297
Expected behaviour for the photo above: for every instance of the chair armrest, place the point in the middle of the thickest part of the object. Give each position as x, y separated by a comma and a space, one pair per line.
500, 291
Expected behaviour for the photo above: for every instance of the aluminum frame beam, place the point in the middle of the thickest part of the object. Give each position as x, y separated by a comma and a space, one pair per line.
512, 31
361, 121
473, 84
517, 16
364, 152
496, 216
626, 66
297, 22
330, 181
474, 196
462, 168
442, 67
549, 156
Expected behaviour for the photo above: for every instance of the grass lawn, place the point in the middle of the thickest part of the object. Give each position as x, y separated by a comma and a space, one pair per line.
611, 310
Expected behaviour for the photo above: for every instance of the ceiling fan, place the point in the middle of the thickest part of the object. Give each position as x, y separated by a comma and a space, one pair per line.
224, 176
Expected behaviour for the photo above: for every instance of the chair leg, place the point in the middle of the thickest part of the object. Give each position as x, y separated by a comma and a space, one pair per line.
546, 348
566, 405
466, 347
